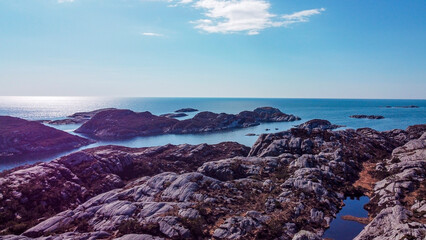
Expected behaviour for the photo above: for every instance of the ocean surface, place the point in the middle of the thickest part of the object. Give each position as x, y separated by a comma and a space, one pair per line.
336, 111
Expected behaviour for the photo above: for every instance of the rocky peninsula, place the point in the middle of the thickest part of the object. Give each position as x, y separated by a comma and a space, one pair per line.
117, 124
21, 137
289, 185
76, 118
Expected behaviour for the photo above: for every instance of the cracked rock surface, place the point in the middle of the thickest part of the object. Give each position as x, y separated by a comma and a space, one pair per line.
290, 185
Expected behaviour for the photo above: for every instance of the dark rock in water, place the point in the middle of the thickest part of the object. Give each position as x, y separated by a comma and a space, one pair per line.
44, 189
290, 186
117, 124
250, 134
22, 137
174, 115
276, 128
409, 106
184, 110
367, 116
267, 129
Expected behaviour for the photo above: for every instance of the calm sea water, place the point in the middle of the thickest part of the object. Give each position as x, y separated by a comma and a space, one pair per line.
335, 110
347, 230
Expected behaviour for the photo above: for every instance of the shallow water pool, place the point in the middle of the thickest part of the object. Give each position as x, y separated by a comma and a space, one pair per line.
347, 230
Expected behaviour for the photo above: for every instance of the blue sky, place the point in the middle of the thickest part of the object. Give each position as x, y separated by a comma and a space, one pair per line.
214, 48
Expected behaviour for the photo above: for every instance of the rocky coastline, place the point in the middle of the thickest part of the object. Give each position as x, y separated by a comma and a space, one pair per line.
20, 137
289, 185
119, 124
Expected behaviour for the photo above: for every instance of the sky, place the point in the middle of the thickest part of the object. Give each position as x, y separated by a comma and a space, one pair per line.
214, 48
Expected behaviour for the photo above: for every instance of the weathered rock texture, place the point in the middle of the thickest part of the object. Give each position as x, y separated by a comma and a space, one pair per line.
31, 193
398, 201
290, 186
115, 124
20, 137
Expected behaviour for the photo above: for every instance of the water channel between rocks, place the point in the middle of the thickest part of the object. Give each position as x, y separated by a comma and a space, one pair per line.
341, 229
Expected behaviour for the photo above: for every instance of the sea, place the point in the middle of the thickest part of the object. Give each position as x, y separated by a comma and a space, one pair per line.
336, 111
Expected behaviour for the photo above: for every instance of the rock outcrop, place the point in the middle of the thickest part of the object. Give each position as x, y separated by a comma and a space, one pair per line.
367, 116
30, 193
290, 186
21, 137
115, 124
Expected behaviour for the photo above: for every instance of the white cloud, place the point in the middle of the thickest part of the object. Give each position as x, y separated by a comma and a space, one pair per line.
248, 16
65, 1
151, 34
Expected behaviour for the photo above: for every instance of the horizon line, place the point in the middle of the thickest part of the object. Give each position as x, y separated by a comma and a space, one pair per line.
211, 97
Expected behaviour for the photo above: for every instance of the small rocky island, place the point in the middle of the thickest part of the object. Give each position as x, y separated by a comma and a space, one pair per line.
409, 106
289, 185
186, 110
367, 116
119, 124
21, 137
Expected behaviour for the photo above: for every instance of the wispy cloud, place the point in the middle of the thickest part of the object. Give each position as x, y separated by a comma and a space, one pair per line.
247, 16
151, 34
302, 16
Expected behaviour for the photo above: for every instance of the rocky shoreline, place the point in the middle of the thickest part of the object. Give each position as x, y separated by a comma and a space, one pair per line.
119, 124
20, 137
289, 185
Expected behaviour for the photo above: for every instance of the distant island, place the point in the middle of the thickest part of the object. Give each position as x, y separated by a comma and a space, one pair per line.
367, 116
409, 106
